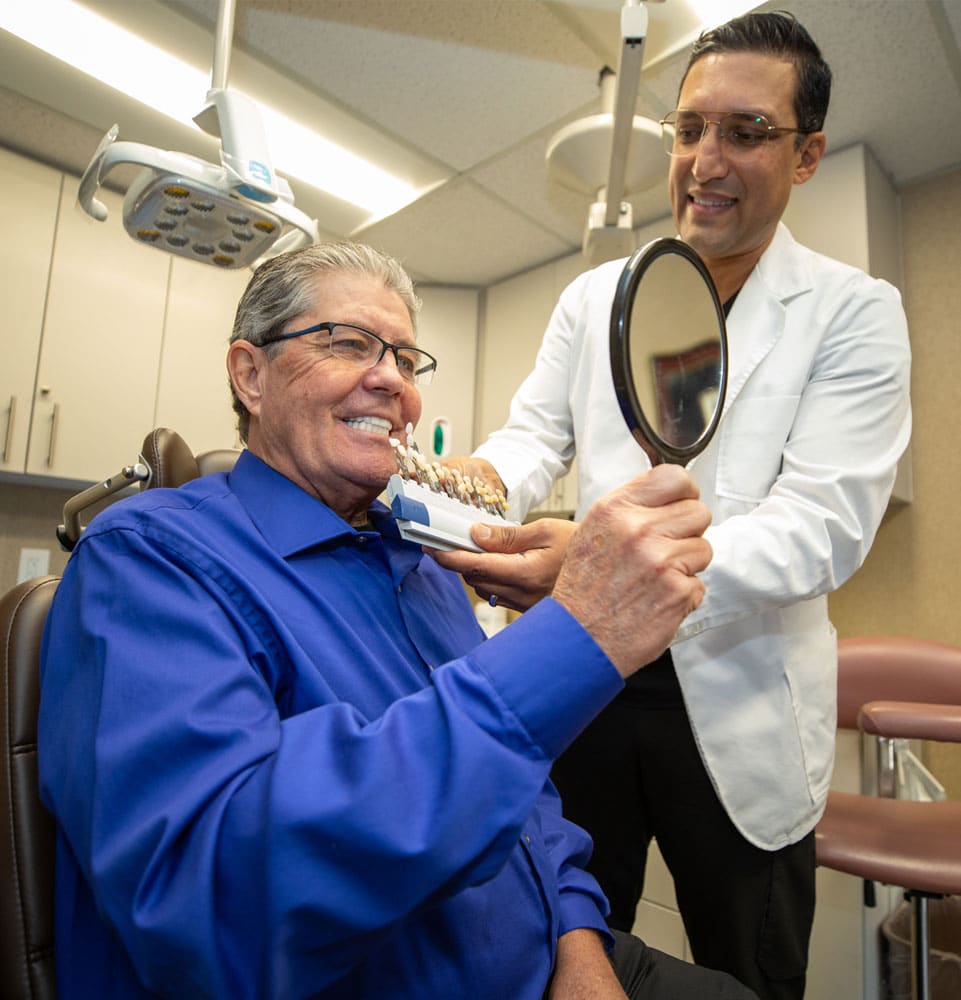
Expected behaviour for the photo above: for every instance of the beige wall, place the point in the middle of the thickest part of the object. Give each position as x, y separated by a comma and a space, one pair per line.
29, 516
909, 583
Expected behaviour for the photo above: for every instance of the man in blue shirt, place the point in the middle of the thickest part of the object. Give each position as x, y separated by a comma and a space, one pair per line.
282, 759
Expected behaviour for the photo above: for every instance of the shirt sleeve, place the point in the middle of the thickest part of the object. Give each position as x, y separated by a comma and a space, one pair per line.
226, 839
582, 902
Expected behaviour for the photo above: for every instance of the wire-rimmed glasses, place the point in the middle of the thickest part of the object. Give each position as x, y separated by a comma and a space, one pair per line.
742, 132
362, 348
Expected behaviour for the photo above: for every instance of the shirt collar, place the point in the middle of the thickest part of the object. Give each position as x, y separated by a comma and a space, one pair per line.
287, 516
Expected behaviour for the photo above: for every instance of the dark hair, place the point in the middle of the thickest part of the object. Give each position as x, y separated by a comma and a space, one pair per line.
777, 34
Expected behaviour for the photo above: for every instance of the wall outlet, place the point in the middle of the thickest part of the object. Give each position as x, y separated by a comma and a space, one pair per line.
33, 562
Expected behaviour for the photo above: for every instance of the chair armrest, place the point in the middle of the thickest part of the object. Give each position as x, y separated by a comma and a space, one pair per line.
911, 720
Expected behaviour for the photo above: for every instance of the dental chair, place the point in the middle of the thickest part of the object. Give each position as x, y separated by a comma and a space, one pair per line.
27, 832
898, 689
165, 460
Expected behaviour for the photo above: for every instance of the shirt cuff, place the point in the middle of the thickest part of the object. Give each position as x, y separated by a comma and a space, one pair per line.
578, 912
551, 673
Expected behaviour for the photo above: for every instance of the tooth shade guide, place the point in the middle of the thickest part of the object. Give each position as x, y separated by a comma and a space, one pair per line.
414, 467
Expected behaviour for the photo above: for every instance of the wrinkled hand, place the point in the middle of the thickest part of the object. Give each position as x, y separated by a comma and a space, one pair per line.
519, 564
628, 574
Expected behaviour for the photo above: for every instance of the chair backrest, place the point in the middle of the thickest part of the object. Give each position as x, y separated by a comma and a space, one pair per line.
165, 460
895, 668
172, 463
27, 831
27, 835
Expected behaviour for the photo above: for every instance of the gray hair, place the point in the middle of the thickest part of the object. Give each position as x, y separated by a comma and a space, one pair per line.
283, 288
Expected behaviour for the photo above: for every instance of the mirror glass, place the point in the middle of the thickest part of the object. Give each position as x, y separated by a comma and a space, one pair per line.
668, 351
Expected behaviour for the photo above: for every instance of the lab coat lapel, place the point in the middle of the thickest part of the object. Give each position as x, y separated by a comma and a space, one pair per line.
756, 321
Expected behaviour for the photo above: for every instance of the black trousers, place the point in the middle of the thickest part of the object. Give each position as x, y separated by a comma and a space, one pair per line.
647, 974
635, 773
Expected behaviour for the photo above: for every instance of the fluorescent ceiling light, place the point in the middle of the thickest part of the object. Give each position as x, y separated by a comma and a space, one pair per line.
129, 64
714, 12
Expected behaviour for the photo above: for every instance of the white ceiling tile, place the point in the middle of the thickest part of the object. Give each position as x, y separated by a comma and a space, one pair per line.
461, 234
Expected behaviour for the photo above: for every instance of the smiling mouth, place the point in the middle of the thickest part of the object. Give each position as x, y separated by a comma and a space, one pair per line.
376, 425
715, 202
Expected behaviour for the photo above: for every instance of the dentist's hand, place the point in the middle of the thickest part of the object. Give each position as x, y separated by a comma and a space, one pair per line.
477, 468
519, 564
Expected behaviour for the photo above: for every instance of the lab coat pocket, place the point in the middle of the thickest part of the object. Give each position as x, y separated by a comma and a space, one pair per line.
753, 434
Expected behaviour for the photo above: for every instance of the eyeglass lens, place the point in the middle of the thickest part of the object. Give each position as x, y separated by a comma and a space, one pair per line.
682, 131
365, 349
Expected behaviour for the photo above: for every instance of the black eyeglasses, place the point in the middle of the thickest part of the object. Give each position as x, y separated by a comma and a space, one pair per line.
360, 347
742, 132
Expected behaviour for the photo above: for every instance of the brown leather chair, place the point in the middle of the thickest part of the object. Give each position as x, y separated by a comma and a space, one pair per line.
898, 688
26, 829
165, 460
172, 463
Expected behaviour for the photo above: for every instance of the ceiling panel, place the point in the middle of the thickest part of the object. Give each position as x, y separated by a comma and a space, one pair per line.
461, 234
463, 97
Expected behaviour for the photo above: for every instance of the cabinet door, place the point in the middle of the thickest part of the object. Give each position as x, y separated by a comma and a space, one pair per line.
192, 397
29, 197
97, 375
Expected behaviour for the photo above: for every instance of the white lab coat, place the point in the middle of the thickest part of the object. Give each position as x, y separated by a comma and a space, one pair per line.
798, 477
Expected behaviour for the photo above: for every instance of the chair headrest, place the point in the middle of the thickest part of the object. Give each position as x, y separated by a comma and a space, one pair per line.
217, 460
170, 460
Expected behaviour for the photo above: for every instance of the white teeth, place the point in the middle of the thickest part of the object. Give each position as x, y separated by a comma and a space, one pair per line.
712, 204
370, 424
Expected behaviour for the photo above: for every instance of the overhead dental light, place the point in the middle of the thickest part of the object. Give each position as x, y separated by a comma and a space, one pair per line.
232, 215
613, 154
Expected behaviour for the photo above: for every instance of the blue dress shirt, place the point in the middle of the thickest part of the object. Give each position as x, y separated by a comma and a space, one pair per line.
284, 763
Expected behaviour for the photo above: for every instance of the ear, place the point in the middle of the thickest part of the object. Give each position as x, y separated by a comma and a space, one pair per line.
246, 366
809, 156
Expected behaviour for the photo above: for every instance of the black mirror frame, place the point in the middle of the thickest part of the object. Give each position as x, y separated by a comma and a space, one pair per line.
657, 449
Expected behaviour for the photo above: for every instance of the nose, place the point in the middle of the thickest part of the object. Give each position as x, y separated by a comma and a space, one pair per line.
709, 159
385, 374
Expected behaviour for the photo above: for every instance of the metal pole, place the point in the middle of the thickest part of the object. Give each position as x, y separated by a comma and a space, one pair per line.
633, 32
222, 43
919, 947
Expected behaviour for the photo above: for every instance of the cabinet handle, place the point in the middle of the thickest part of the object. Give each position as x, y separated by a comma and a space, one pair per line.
8, 437
54, 423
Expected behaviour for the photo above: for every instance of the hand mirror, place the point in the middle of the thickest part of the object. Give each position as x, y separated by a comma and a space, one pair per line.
668, 351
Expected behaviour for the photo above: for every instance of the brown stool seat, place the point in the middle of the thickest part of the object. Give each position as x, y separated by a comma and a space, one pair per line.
894, 841
897, 688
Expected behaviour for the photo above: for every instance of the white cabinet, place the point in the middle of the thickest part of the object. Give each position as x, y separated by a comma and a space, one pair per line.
100, 350
193, 397
29, 198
